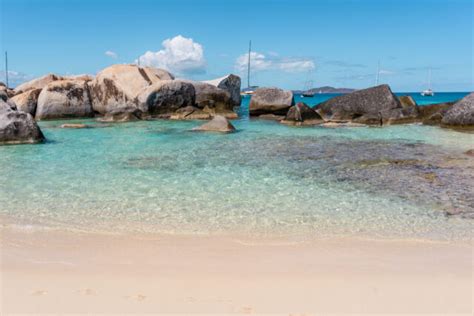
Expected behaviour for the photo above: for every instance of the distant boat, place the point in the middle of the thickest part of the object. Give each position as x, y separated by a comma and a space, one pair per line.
308, 85
250, 89
428, 92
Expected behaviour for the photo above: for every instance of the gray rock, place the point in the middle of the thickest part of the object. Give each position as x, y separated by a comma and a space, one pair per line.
118, 86
301, 114
230, 83
167, 96
17, 127
371, 103
433, 114
64, 99
271, 101
27, 101
38, 83
407, 101
213, 100
405, 115
217, 124
461, 114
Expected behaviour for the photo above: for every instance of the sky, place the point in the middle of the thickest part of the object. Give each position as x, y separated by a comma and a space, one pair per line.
327, 42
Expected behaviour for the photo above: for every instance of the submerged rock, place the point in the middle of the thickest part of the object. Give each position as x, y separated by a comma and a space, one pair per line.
74, 125
301, 114
217, 124
123, 115
190, 113
27, 101
370, 106
461, 114
167, 96
118, 86
230, 83
271, 101
38, 83
64, 99
17, 127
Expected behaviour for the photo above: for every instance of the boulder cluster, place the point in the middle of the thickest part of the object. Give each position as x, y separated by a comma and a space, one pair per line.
128, 92
121, 93
376, 106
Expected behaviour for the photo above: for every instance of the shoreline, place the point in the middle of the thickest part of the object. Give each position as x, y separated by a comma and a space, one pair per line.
52, 272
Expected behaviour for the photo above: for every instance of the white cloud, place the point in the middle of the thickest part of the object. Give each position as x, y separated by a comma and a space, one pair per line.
179, 55
111, 54
15, 78
260, 62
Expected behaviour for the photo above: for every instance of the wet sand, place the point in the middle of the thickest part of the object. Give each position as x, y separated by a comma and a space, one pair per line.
64, 273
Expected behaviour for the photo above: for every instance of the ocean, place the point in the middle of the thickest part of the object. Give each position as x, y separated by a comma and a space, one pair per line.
266, 181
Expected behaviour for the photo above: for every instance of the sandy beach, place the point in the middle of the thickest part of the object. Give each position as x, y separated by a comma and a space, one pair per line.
49, 272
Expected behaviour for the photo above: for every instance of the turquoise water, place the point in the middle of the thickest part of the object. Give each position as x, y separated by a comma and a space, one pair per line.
266, 180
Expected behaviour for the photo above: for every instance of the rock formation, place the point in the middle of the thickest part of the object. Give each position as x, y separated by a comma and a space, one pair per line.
271, 101
64, 99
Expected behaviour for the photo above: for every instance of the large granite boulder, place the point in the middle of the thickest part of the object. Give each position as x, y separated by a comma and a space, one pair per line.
17, 127
433, 114
64, 99
369, 106
461, 114
271, 101
217, 124
213, 100
167, 96
230, 83
302, 114
27, 101
38, 83
118, 86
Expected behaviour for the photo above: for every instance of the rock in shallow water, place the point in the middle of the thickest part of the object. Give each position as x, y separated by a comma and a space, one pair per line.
64, 99
17, 127
217, 124
230, 83
369, 106
271, 101
461, 114
27, 101
301, 114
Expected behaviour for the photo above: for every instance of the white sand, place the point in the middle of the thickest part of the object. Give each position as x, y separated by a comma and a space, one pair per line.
51, 272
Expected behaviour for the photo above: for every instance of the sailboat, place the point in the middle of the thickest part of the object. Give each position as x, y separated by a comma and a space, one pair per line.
250, 89
307, 93
428, 92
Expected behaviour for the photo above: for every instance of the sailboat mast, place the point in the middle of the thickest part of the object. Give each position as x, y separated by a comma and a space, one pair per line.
377, 76
248, 65
6, 68
429, 78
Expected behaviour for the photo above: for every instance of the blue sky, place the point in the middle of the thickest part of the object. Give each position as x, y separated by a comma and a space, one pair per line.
342, 40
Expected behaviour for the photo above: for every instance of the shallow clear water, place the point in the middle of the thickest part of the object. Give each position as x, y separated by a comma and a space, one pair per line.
265, 180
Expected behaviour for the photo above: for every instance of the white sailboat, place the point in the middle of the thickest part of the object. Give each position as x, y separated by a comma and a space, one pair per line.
250, 89
428, 92
308, 85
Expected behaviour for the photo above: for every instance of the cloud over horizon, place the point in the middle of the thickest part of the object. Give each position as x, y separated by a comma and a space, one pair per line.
262, 62
179, 55
111, 54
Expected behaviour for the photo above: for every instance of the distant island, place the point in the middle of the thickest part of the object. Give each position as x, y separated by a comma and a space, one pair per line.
325, 89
